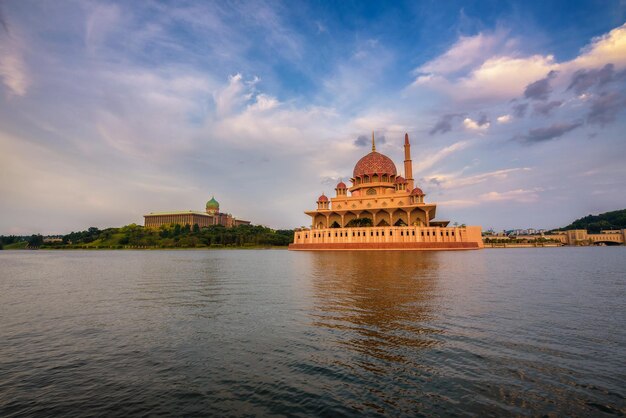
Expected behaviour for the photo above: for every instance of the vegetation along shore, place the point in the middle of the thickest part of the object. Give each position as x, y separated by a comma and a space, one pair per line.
171, 236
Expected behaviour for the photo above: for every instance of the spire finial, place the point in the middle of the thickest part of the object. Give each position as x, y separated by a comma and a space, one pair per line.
373, 143
406, 139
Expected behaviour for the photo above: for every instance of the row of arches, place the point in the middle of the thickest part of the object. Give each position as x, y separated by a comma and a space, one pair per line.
375, 178
392, 217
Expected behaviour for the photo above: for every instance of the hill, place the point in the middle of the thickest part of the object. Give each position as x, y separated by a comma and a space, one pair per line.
595, 223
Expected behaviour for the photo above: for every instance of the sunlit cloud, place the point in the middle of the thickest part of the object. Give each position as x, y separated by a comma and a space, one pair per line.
473, 125
13, 69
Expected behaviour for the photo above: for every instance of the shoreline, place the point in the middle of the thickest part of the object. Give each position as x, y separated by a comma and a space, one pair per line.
148, 248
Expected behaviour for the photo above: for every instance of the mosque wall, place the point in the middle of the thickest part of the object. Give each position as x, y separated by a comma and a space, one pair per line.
366, 237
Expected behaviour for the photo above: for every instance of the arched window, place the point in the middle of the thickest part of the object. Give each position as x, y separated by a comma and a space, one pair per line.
371, 191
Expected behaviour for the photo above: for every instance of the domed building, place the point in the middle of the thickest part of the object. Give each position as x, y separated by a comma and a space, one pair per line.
381, 210
212, 216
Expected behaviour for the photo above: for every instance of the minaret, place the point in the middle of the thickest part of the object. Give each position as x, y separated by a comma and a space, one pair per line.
408, 164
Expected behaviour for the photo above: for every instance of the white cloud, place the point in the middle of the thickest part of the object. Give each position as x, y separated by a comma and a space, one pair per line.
264, 102
608, 48
472, 125
458, 203
456, 181
102, 20
465, 52
13, 69
504, 119
504, 77
432, 159
487, 67
517, 195
231, 96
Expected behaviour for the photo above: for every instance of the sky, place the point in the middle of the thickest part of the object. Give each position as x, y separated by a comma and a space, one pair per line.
516, 110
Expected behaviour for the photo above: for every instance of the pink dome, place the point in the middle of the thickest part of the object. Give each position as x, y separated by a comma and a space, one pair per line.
341, 185
400, 180
374, 163
417, 192
322, 198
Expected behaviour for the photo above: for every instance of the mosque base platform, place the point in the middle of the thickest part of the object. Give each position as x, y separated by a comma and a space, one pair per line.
390, 246
401, 238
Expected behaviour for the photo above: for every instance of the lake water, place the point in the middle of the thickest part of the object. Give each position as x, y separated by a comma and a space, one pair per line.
499, 332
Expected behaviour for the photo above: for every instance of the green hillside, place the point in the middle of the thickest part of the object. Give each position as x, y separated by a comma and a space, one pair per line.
170, 236
176, 236
595, 223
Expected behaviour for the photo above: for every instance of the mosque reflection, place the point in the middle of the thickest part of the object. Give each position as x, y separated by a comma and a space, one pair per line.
379, 304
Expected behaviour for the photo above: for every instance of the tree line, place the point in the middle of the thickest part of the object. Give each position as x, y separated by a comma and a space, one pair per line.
167, 236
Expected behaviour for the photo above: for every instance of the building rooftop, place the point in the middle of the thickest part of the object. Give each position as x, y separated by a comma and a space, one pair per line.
179, 212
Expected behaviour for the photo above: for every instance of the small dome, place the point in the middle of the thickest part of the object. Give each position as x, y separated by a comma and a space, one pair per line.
400, 180
374, 163
417, 192
341, 185
212, 204
322, 198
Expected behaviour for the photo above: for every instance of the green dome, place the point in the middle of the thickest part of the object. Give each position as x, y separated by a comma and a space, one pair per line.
212, 204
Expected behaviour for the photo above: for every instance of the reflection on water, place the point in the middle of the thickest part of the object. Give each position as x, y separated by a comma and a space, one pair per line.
525, 332
382, 308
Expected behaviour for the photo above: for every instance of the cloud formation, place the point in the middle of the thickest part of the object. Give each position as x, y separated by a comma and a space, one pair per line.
365, 141
444, 124
545, 108
481, 124
540, 89
554, 131
519, 110
583, 80
13, 68
605, 107
504, 119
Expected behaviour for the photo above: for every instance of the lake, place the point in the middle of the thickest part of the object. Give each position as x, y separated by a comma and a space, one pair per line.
497, 332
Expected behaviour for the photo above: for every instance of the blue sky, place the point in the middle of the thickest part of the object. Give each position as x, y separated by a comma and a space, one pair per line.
109, 110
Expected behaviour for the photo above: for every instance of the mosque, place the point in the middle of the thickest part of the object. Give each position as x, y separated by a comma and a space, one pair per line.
212, 216
381, 211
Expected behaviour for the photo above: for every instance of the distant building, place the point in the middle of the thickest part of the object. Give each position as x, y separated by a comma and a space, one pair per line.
212, 216
582, 237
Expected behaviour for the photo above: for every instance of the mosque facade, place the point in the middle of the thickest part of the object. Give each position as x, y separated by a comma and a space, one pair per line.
381, 210
210, 217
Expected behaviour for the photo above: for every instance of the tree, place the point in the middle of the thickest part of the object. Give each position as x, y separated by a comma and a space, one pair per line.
35, 241
359, 222
196, 228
